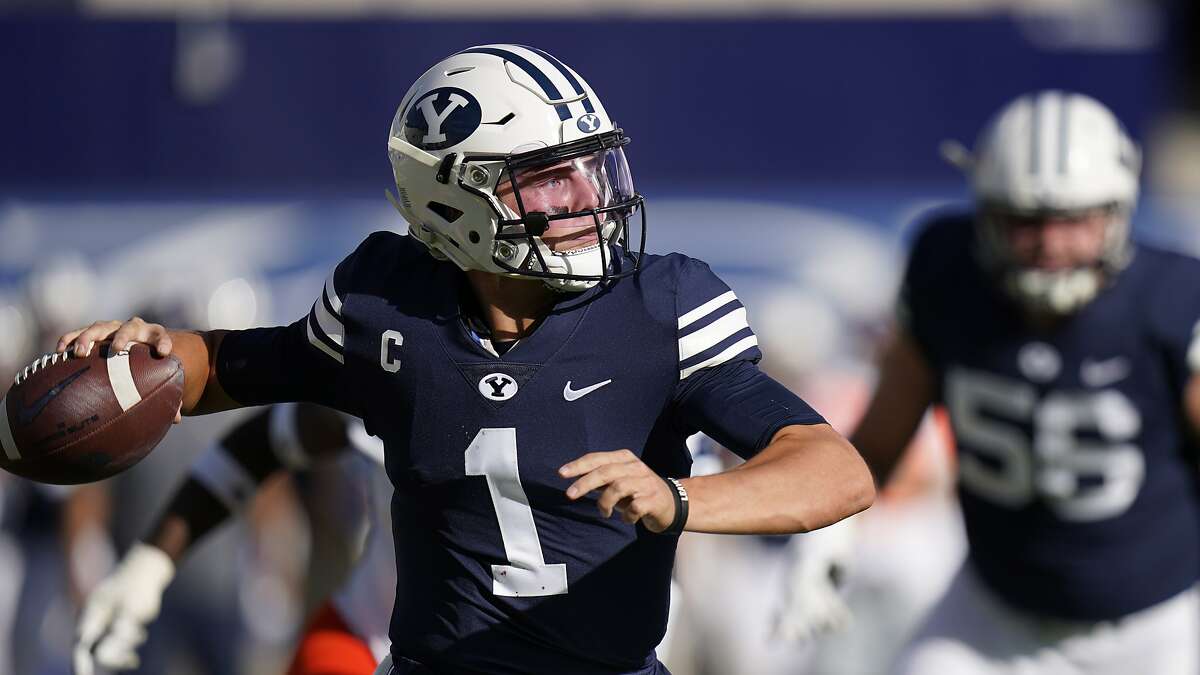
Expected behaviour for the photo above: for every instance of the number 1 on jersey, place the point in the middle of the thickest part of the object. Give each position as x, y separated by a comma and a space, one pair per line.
493, 455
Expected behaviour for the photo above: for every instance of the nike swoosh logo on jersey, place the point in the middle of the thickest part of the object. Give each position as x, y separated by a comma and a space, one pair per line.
1103, 373
574, 394
29, 413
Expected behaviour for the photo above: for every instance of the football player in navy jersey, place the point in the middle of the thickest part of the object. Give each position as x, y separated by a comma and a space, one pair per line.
1066, 356
533, 375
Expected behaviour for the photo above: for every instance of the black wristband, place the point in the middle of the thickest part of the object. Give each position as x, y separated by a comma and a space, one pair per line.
681, 507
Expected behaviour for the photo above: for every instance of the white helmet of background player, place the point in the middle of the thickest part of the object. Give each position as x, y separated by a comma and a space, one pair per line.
505, 161
1053, 154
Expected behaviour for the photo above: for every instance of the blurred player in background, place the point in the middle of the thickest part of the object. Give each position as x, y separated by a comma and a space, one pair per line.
520, 324
1066, 356
348, 635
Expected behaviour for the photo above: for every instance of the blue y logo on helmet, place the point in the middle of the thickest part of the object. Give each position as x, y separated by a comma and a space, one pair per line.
442, 118
588, 123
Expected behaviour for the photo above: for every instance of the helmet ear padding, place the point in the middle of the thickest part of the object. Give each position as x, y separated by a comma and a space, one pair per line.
447, 212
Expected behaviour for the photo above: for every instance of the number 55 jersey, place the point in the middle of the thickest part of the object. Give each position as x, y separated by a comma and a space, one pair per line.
1076, 475
498, 571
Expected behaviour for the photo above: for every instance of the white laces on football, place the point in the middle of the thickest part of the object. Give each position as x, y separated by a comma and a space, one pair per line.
38, 364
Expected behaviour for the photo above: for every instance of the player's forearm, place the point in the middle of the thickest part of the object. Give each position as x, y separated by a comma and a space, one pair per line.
903, 393
224, 477
84, 526
202, 393
228, 474
192, 514
807, 478
882, 455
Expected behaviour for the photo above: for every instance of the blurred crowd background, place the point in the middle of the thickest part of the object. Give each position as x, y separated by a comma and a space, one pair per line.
204, 163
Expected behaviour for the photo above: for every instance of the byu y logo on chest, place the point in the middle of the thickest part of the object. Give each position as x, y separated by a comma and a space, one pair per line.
497, 387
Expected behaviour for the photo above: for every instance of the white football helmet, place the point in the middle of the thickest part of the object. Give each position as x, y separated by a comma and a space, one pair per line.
505, 161
1052, 153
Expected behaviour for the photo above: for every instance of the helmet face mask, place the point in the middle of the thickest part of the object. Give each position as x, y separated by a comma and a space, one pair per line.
1054, 261
1055, 179
565, 209
537, 193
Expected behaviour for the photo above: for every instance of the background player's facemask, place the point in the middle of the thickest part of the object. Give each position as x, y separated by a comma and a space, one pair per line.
1052, 155
1053, 290
566, 213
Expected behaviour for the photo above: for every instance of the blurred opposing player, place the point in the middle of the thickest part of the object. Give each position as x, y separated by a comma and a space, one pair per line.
348, 636
532, 372
1066, 357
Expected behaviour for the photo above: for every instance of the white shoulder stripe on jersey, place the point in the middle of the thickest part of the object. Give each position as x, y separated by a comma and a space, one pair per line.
706, 309
120, 378
331, 294
316, 342
730, 352
6, 437
712, 334
330, 324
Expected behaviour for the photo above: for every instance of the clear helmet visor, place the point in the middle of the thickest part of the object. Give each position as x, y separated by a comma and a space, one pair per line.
583, 199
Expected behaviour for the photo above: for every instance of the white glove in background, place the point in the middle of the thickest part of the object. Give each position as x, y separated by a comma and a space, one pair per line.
812, 603
116, 614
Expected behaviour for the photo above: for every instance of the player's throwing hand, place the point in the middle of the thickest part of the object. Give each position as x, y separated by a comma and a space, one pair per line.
121, 333
627, 486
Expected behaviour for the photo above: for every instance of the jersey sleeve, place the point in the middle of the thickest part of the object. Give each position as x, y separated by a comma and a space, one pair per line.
712, 324
721, 391
304, 361
739, 406
1175, 317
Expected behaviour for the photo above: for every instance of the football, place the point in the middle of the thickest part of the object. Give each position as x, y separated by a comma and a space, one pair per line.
69, 420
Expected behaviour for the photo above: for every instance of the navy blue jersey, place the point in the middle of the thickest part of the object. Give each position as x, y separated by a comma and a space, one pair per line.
499, 572
1076, 475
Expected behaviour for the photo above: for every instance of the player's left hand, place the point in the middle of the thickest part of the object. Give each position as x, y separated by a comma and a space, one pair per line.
813, 602
626, 486
118, 611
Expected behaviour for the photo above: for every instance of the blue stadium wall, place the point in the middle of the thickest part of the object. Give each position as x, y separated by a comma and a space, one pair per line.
91, 106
